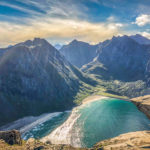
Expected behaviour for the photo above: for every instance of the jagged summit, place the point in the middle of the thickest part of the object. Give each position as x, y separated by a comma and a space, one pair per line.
74, 41
77, 42
34, 43
121, 58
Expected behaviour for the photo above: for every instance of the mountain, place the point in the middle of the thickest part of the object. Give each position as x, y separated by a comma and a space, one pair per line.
123, 65
58, 46
122, 58
79, 53
140, 39
35, 78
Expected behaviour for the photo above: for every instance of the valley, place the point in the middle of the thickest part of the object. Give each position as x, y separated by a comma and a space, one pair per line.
96, 92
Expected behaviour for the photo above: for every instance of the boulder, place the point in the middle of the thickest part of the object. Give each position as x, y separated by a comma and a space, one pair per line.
11, 137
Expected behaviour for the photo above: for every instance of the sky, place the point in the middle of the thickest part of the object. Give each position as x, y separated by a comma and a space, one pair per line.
61, 21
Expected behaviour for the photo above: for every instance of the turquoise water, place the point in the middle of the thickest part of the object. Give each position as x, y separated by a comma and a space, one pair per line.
108, 118
46, 127
98, 120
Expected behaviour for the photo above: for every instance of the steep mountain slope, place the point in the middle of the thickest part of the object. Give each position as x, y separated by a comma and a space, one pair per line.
35, 78
79, 53
123, 65
122, 59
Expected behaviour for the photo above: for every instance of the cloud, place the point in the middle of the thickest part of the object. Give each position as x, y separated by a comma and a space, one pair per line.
20, 8
143, 20
57, 28
64, 19
146, 34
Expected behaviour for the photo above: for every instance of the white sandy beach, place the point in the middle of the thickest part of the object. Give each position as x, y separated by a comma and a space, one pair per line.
64, 134
93, 98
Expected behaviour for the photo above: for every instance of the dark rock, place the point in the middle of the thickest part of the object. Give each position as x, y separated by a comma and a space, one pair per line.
11, 137
143, 104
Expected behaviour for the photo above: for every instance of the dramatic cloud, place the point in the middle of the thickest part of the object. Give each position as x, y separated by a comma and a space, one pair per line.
58, 28
64, 20
146, 34
142, 20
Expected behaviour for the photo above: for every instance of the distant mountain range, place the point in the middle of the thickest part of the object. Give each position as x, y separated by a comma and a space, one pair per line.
125, 59
58, 46
79, 53
121, 58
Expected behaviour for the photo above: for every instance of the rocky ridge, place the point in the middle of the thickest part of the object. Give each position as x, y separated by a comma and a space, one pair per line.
143, 104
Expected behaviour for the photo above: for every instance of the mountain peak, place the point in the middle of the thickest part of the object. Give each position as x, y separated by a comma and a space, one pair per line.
74, 41
39, 40
34, 43
122, 39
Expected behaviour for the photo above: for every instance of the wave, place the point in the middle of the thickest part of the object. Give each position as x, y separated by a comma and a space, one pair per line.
27, 123
67, 133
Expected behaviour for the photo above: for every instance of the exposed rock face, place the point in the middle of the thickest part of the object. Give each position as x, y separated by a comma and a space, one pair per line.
36, 145
33, 144
124, 60
79, 53
130, 141
11, 137
120, 59
36, 78
143, 104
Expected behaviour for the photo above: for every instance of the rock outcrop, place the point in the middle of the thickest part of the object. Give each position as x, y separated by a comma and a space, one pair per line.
130, 141
11, 140
143, 104
11, 137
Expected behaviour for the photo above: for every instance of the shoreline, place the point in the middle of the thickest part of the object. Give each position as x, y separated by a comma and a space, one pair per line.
65, 133
93, 98
62, 134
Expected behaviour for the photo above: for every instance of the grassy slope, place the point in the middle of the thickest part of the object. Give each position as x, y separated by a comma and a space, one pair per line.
100, 89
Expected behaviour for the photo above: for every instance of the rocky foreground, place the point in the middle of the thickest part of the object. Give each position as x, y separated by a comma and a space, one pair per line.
130, 141
11, 140
143, 104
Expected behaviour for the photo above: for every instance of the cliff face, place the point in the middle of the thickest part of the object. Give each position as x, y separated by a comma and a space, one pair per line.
120, 59
11, 137
143, 104
35, 78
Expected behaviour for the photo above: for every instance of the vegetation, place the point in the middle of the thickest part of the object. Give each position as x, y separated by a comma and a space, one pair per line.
102, 88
